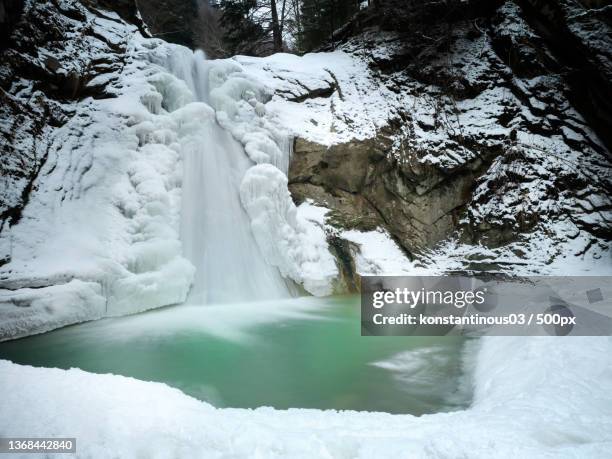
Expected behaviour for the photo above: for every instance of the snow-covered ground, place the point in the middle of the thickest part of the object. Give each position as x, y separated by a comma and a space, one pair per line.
534, 397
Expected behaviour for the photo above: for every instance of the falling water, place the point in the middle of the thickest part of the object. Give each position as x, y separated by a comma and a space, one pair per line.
215, 229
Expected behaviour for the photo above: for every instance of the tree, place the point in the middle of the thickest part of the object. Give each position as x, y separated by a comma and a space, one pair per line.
208, 32
262, 27
254, 26
241, 31
276, 26
321, 18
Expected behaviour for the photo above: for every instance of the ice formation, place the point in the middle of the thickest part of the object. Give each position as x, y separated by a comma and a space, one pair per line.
216, 168
102, 224
132, 228
294, 244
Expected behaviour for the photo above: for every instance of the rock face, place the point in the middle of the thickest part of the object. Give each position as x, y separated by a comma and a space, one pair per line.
580, 41
10, 10
418, 204
499, 132
482, 121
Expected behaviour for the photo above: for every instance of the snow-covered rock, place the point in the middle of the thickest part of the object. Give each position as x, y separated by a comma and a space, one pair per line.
470, 142
99, 234
451, 160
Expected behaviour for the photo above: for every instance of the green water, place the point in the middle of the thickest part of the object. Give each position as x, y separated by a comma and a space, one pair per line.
305, 353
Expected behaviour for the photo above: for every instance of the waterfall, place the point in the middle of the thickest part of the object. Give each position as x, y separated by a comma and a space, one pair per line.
215, 229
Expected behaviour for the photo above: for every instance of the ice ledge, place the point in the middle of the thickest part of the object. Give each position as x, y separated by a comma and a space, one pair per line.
29, 311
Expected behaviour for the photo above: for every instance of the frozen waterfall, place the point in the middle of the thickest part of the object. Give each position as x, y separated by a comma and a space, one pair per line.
215, 229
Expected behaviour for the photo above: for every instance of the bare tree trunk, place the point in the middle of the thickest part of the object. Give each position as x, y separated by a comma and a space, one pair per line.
331, 23
297, 17
277, 37
282, 19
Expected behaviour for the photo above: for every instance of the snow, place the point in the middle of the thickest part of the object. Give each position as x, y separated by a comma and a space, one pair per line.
362, 103
41, 309
106, 208
323, 97
102, 224
378, 254
540, 400
346, 95
101, 236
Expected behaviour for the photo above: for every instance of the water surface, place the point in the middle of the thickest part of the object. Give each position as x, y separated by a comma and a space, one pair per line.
302, 353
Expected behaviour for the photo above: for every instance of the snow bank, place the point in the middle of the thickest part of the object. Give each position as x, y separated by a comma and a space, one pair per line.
547, 397
378, 254
326, 98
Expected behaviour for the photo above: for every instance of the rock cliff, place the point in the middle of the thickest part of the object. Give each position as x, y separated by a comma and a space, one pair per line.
496, 132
